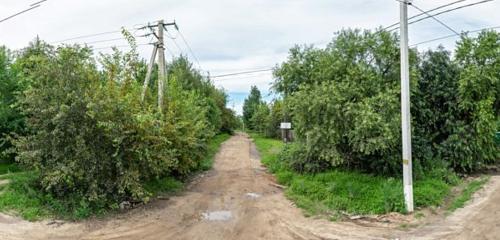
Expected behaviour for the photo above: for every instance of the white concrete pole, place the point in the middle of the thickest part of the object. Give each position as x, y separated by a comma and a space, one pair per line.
405, 108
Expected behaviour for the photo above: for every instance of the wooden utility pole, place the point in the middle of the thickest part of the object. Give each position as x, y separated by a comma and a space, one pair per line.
159, 49
405, 107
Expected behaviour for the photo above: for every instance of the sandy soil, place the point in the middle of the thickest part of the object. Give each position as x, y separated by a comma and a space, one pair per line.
237, 200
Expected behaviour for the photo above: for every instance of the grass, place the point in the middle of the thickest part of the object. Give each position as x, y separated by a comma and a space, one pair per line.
212, 148
336, 191
471, 187
8, 168
23, 197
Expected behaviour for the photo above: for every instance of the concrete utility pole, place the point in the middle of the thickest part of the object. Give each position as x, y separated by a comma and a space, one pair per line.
159, 48
148, 74
161, 65
405, 107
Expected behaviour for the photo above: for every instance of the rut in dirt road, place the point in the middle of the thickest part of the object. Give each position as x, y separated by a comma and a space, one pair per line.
234, 200
237, 200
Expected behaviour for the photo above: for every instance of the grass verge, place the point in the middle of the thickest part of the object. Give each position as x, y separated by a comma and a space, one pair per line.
471, 187
8, 168
22, 195
212, 148
336, 191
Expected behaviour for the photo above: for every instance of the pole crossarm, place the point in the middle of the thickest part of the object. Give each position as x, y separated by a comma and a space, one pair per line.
157, 30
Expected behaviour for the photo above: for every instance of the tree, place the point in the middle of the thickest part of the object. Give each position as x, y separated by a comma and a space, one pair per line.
91, 139
472, 143
260, 118
344, 102
11, 119
276, 116
434, 107
250, 106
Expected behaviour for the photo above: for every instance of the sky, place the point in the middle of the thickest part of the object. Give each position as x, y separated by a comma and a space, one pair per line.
229, 36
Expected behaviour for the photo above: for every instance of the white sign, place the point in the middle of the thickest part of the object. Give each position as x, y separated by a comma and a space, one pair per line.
286, 125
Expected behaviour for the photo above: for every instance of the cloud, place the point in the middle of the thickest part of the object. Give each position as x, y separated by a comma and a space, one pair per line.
228, 35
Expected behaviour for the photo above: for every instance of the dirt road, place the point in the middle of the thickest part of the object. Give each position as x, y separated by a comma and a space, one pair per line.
236, 200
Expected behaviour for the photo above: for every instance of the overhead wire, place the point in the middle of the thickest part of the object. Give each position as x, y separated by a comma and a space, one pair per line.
385, 28
453, 35
37, 3
19, 13
189, 48
428, 11
240, 73
263, 74
86, 36
442, 12
121, 46
433, 17
96, 34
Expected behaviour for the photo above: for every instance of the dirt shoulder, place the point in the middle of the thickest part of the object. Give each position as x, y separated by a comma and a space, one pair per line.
238, 200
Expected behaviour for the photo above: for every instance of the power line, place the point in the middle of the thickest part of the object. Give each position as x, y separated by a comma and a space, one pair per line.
453, 35
37, 3
86, 36
19, 13
445, 11
177, 46
189, 47
95, 34
262, 74
106, 40
428, 11
437, 20
240, 73
120, 46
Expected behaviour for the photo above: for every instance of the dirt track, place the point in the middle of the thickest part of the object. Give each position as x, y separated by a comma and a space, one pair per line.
236, 200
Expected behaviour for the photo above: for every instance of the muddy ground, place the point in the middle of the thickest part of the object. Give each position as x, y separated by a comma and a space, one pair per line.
239, 200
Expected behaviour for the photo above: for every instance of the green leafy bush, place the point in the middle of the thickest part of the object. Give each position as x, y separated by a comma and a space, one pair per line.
11, 119
472, 143
345, 104
337, 191
93, 142
346, 112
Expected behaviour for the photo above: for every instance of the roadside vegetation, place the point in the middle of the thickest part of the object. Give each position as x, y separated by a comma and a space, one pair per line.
343, 102
339, 191
467, 192
75, 124
22, 196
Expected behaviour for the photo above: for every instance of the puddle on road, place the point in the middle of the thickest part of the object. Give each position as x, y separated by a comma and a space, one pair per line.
252, 195
217, 216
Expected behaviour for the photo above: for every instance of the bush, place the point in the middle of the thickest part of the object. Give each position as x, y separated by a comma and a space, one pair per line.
347, 112
471, 144
345, 104
11, 119
91, 139
296, 158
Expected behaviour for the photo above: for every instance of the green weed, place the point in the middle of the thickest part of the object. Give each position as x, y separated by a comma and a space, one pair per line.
328, 193
467, 193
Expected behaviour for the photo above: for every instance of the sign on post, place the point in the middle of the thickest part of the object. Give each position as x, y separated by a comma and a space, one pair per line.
286, 125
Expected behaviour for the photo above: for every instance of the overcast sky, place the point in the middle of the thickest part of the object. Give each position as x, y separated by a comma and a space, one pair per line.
232, 35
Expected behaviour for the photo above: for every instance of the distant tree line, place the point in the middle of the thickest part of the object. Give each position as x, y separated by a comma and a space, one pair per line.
262, 117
